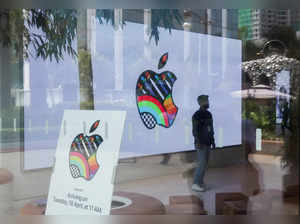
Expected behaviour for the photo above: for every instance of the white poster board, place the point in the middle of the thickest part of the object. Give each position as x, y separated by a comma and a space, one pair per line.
86, 156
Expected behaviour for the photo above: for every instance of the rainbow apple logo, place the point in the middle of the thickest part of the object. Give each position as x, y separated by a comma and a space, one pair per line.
154, 97
82, 157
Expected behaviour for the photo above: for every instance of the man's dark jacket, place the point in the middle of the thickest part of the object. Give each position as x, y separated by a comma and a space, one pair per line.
203, 129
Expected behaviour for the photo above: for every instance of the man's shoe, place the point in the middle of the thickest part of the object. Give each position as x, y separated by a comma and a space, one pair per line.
196, 187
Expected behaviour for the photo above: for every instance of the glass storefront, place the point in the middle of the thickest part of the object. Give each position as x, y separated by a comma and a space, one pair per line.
153, 64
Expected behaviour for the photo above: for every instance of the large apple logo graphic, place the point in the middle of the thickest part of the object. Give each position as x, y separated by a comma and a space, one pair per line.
154, 97
82, 157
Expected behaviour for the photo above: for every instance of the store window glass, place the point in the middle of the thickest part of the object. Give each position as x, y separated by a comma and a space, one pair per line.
211, 99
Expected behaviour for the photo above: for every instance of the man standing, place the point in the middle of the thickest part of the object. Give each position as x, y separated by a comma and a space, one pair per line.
203, 133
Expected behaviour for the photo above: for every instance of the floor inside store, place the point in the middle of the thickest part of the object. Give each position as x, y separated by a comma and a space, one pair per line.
261, 181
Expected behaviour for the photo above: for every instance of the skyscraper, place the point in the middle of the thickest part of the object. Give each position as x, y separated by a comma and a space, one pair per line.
295, 19
257, 22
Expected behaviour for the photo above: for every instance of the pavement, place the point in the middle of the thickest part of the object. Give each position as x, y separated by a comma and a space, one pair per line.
261, 180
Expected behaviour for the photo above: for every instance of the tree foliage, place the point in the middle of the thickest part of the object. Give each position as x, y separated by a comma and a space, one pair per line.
166, 18
50, 32
263, 116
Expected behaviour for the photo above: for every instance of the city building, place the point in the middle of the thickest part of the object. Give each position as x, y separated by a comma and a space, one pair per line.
255, 23
295, 19
217, 22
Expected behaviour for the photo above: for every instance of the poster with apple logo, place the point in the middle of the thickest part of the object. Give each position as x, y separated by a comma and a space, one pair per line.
154, 97
86, 157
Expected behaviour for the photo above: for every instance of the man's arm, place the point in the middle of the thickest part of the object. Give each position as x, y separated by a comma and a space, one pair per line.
195, 126
212, 132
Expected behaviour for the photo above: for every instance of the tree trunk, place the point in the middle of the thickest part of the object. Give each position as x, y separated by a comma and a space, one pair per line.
85, 61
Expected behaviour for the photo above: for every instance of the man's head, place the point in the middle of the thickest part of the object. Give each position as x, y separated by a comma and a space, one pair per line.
203, 101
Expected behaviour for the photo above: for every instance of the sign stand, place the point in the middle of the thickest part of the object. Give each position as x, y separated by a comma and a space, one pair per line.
86, 157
